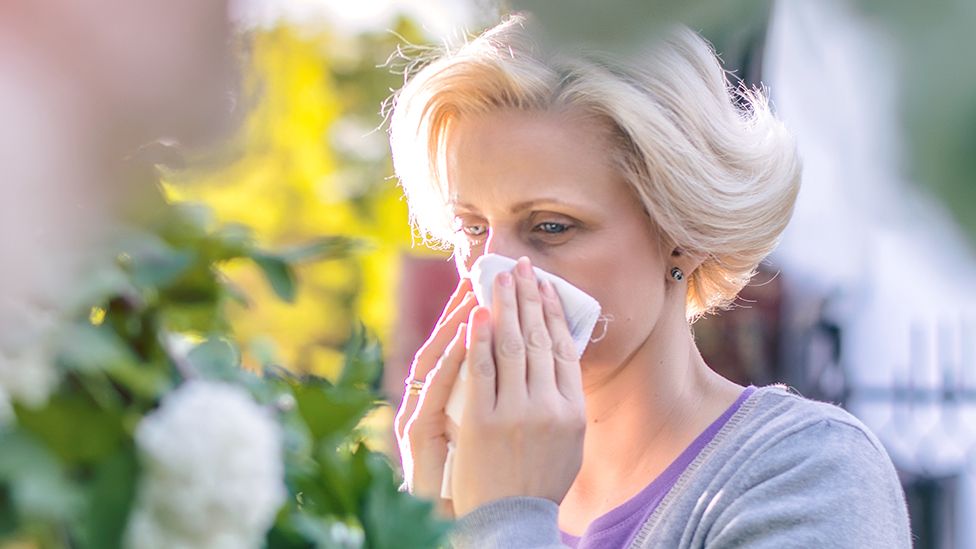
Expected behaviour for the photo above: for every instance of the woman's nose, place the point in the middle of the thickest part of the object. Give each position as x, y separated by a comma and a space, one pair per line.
501, 243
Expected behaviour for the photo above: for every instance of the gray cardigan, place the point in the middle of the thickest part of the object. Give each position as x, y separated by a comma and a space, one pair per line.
784, 471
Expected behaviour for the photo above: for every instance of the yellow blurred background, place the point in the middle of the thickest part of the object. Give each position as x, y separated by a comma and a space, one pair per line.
309, 160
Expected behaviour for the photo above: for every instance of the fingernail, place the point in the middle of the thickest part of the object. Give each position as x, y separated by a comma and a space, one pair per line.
524, 267
505, 278
547, 289
481, 324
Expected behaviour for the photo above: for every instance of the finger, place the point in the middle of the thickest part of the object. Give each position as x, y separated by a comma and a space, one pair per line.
440, 380
463, 287
538, 345
427, 356
481, 386
569, 377
509, 347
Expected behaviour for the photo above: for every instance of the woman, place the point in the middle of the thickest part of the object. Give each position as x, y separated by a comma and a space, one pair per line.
646, 185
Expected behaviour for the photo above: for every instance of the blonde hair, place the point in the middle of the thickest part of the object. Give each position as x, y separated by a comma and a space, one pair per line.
716, 172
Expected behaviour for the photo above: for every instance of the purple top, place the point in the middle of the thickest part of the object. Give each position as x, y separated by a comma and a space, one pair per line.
617, 527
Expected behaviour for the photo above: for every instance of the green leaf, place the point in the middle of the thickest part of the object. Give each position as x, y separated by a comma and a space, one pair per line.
264, 350
335, 491
38, 486
360, 476
74, 428
279, 273
363, 365
8, 515
110, 495
219, 359
327, 247
101, 285
216, 358
193, 312
93, 348
297, 445
235, 239
235, 293
191, 218
153, 262
86, 349
331, 412
284, 536
147, 380
394, 519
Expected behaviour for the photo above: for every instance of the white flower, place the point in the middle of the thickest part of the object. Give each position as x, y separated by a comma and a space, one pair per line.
343, 536
28, 377
212, 476
27, 371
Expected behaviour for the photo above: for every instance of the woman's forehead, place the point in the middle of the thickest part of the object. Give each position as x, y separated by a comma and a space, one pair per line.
524, 157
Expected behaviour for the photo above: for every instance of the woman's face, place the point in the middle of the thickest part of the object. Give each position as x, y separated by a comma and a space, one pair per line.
542, 185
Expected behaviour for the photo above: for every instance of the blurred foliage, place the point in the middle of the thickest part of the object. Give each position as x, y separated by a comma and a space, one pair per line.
937, 88
213, 291
68, 469
311, 159
618, 26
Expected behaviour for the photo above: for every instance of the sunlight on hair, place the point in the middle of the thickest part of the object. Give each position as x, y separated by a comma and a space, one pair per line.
716, 172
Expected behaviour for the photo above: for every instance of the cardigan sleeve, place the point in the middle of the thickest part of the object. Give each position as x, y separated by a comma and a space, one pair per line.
518, 522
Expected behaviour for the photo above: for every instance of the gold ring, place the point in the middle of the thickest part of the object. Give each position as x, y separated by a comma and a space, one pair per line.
414, 386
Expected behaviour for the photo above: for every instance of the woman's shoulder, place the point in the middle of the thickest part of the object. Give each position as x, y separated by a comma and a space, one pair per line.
790, 471
777, 427
779, 412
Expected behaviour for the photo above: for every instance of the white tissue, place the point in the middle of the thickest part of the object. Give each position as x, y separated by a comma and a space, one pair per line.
581, 312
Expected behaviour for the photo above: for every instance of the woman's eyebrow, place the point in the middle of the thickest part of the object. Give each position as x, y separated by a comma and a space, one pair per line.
463, 205
516, 208
540, 201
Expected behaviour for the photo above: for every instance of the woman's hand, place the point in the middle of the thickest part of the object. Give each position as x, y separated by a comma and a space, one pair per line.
420, 423
523, 426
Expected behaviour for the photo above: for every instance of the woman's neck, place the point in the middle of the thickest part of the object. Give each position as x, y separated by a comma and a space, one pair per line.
642, 418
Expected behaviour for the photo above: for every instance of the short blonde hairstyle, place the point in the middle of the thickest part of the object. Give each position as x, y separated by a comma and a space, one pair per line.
716, 172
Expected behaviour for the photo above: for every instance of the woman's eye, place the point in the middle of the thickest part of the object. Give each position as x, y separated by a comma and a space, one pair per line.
551, 227
474, 230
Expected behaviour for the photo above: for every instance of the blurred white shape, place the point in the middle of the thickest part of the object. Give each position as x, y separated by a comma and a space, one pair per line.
28, 374
889, 252
439, 18
6, 410
46, 224
889, 255
82, 89
212, 475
